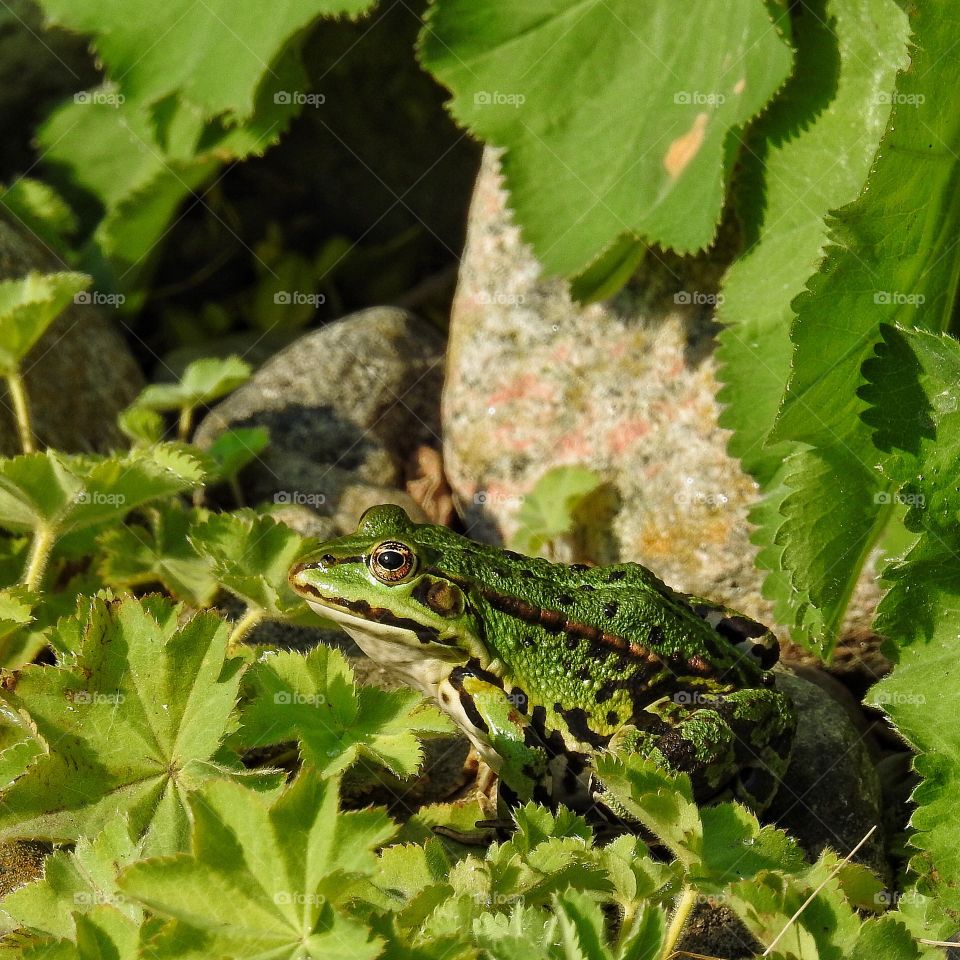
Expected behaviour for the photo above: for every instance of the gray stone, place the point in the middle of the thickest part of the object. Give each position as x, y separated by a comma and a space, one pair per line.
830, 795
347, 407
78, 376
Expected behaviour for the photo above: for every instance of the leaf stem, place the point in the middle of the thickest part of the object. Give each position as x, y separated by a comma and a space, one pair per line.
44, 537
242, 627
688, 898
185, 423
21, 409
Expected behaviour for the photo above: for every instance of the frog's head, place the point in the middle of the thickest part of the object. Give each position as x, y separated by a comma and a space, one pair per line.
386, 589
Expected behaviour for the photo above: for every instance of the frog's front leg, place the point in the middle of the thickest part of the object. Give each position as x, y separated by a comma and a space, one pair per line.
501, 734
732, 743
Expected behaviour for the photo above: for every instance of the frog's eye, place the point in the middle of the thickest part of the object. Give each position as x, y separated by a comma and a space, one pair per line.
392, 561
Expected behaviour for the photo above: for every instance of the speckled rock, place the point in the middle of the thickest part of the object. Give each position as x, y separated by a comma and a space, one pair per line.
347, 407
79, 375
626, 387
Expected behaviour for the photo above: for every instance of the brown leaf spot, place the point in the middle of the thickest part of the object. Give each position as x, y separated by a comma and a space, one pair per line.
685, 147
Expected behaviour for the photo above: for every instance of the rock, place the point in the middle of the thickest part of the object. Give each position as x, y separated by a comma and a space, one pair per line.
626, 387
79, 375
347, 407
830, 795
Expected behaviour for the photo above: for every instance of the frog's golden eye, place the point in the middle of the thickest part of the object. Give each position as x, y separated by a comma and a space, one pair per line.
392, 561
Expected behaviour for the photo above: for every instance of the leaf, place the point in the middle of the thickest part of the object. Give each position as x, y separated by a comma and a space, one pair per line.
631, 142
133, 724
69, 492
159, 552
847, 51
16, 610
232, 450
141, 425
76, 882
890, 260
251, 556
40, 209
912, 391
28, 306
213, 54
263, 881
658, 798
313, 698
884, 939
202, 382
547, 512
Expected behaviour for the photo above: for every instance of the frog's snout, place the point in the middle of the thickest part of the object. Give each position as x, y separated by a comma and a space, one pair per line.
299, 575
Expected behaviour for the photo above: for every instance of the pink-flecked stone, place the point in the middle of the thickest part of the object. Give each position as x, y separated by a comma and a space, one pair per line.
625, 387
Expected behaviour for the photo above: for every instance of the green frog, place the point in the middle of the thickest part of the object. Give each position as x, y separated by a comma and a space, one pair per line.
543, 664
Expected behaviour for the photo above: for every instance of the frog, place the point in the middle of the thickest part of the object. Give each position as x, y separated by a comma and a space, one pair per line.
545, 665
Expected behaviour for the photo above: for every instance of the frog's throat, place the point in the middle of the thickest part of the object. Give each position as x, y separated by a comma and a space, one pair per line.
423, 664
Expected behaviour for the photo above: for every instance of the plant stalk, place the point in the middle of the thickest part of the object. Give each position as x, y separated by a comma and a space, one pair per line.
242, 627
684, 905
21, 409
185, 423
44, 538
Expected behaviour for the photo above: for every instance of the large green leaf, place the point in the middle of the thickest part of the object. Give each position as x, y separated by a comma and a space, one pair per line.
132, 725
614, 115
892, 258
912, 391
313, 698
263, 881
830, 114
213, 54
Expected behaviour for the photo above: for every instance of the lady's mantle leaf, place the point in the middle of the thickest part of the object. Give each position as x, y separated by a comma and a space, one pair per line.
132, 725
614, 114
314, 698
264, 881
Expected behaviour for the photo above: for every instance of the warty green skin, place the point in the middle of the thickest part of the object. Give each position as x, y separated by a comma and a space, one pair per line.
543, 664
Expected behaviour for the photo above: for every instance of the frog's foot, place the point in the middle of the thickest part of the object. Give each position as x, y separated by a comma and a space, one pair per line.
732, 743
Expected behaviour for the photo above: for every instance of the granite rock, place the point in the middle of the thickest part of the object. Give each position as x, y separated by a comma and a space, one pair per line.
79, 375
347, 407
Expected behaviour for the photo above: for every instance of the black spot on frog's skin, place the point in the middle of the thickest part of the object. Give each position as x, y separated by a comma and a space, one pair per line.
616, 575
605, 692
583, 674
610, 609
557, 707
588, 587
516, 557
471, 712
612, 717
579, 727
527, 574
768, 680
519, 699
540, 794
655, 636
579, 567
564, 599
573, 641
